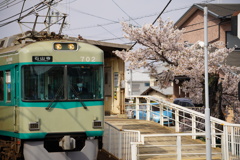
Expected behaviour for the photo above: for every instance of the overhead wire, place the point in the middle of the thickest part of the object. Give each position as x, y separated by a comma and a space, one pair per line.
92, 15
18, 14
117, 22
5, 2
212, 19
7, 6
125, 13
109, 32
101, 25
41, 7
154, 20
136, 18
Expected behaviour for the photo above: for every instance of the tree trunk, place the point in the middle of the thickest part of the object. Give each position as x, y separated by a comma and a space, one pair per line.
215, 97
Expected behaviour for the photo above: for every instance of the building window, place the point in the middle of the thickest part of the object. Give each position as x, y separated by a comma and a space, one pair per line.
232, 41
147, 84
136, 87
8, 85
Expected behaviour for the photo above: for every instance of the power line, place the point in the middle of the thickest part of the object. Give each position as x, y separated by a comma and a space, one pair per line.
145, 16
109, 32
18, 14
38, 7
5, 2
92, 15
154, 20
184, 27
125, 12
117, 38
7, 6
141, 17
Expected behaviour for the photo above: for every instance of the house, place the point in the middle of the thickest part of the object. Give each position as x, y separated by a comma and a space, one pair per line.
136, 81
221, 27
156, 91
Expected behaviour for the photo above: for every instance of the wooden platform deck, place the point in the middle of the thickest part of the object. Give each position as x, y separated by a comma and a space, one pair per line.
149, 127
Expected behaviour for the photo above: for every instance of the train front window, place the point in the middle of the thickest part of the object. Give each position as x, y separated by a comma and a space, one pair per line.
43, 82
85, 82
62, 82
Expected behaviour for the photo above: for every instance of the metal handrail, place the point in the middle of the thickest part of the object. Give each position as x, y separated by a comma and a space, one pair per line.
118, 141
126, 141
178, 145
231, 132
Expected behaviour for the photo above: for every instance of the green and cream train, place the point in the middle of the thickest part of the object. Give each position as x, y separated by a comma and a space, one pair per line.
51, 99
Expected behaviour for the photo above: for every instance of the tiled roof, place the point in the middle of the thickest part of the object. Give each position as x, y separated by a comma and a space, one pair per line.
164, 91
215, 10
221, 10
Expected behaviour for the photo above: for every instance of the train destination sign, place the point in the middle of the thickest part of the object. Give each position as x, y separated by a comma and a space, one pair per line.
42, 58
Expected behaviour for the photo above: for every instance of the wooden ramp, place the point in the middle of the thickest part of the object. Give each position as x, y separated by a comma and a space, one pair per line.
150, 127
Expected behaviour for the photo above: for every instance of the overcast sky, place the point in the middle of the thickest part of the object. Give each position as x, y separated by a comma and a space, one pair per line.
98, 19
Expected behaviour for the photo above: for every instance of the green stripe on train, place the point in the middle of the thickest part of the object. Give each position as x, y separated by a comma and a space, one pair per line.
42, 134
61, 105
61, 63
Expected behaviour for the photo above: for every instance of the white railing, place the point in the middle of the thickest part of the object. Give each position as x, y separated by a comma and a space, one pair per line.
190, 121
178, 147
232, 141
118, 142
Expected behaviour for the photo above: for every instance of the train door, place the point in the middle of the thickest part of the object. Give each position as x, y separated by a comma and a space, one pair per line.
7, 102
16, 97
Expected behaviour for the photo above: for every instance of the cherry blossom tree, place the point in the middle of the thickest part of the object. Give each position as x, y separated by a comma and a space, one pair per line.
161, 45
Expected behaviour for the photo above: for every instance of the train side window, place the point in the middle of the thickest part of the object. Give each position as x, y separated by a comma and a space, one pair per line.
8, 85
1, 86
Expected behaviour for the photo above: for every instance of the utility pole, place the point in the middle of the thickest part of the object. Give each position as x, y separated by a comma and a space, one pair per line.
207, 110
49, 21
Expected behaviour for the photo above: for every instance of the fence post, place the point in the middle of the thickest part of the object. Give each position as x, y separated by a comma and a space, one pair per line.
137, 107
161, 114
133, 151
194, 126
148, 110
233, 141
225, 131
213, 132
120, 145
179, 148
224, 145
177, 120
109, 139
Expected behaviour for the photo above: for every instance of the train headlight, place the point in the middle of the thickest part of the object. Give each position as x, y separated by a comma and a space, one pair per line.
71, 46
66, 46
57, 46
97, 124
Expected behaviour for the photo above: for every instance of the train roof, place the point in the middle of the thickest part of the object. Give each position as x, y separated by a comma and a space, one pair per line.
13, 43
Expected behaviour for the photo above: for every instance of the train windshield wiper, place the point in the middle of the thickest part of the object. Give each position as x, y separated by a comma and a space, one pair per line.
78, 96
55, 98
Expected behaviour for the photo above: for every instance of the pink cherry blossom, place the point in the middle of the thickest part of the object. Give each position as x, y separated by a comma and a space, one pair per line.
161, 45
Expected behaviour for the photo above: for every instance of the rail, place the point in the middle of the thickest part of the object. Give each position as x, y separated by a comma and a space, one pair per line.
183, 119
118, 142
179, 145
